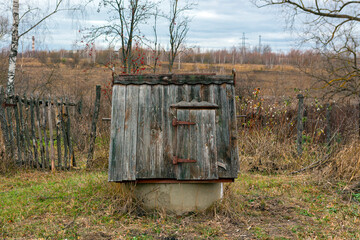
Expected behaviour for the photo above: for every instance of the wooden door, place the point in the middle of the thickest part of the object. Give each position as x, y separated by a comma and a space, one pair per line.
196, 154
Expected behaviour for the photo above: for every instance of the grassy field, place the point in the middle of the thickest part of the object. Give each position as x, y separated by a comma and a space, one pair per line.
83, 205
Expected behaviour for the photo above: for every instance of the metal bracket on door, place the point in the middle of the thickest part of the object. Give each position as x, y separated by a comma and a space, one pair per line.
177, 160
175, 122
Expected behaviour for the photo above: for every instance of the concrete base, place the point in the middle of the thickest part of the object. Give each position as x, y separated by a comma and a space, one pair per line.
178, 197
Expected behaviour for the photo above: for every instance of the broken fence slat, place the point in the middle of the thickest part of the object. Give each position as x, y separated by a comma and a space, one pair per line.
34, 142
18, 133
58, 134
68, 131
52, 150
3, 121
93, 126
40, 141
10, 128
45, 119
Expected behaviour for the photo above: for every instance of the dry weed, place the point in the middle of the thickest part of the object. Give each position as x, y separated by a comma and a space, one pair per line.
345, 165
261, 151
122, 198
6, 165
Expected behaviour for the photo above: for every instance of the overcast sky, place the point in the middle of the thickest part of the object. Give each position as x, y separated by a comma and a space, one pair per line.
216, 24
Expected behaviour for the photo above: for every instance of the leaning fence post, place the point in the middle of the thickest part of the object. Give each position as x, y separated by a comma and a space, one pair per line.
9, 103
93, 126
58, 124
34, 141
300, 124
52, 150
328, 124
72, 162
3, 121
18, 131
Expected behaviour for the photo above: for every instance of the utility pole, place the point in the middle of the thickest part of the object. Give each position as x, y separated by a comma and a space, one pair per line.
33, 46
243, 44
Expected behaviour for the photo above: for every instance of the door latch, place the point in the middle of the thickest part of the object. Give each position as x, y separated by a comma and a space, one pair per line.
177, 160
175, 122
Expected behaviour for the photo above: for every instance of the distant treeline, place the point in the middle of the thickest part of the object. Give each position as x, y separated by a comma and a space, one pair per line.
234, 55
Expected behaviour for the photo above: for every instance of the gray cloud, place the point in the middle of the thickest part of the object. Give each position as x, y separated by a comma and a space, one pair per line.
215, 24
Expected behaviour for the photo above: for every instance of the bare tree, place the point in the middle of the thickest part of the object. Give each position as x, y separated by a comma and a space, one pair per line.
333, 27
4, 26
156, 46
178, 28
122, 26
60, 5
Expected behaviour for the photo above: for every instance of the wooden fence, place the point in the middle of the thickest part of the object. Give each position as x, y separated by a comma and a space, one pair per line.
306, 122
37, 132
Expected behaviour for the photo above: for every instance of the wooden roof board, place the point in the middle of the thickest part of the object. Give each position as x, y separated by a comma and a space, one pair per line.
194, 105
177, 79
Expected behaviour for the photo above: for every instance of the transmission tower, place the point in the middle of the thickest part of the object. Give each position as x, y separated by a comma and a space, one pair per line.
243, 44
259, 43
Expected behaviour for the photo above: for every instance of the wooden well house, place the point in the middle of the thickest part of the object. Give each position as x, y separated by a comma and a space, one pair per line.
173, 128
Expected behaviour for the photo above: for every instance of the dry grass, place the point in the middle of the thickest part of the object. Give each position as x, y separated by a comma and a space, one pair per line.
82, 205
63, 79
6, 165
263, 151
345, 164
289, 207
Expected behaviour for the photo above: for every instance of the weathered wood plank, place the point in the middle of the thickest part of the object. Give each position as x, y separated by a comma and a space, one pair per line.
156, 132
4, 126
40, 141
18, 131
27, 131
93, 126
230, 90
183, 93
177, 79
194, 92
63, 119
143, 134
45, 119
209, 137
194, 105
170, 97
52, 150
205, 93
72, 162
130, 136
58, 120
116, 151
22, 132
222, 130
33, 136
11, 130
183, 144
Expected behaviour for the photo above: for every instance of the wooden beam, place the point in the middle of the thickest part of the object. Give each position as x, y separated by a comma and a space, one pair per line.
177, 79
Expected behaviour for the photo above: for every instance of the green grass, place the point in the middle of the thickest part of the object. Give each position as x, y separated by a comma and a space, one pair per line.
83, 205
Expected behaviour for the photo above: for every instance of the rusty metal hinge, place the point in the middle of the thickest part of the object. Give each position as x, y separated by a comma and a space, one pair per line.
177, 160
5, 105
175, 122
